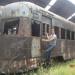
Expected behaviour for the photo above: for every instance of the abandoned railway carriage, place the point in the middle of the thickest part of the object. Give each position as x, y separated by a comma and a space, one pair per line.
22, 26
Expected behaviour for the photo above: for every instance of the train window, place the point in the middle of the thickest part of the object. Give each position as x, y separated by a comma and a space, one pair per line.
47, 28
56, 31
68, 34
11, 27
35, 28
62, 33
43, 29
72, 35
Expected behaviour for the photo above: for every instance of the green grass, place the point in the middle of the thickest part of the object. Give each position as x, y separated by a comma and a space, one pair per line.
62, 69
65, 68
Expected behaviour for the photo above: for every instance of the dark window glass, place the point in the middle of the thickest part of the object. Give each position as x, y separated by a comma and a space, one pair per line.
47, 28
43, 28
72, 35
62, 33
68, 34
35, 28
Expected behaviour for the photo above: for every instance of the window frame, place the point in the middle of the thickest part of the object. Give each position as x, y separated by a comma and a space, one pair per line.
7, 24
63, 31
39, 28
57, 32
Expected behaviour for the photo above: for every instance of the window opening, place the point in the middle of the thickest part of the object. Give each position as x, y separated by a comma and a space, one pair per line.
68, 34
72, 35
56, 29
11, 27
35, 28
62, 33
47, 28
43, 29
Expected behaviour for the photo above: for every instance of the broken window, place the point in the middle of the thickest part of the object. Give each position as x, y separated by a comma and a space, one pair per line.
62, 33
35, 28
11, 27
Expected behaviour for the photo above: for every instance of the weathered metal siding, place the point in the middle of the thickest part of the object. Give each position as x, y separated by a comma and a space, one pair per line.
63, 24
17, 9
70, 48
14, 48
24, 27
64, 48
1, 26
35, 50
16, 52
11, 46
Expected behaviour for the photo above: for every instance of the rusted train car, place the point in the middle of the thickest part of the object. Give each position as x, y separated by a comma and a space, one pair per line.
22, 26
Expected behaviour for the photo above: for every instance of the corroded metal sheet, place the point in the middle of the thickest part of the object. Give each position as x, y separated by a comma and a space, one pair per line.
15, 52
11, 46
16, 9
35, 50
24, 27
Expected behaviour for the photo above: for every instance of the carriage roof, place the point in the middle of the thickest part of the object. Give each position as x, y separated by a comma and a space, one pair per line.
40, 9
68, 24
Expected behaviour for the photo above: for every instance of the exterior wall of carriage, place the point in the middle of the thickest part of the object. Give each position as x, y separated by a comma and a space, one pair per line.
66, 38
18, 50
65, 31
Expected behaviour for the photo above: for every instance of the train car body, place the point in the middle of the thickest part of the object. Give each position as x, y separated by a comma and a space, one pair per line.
22, 26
